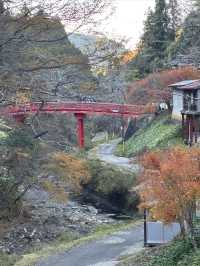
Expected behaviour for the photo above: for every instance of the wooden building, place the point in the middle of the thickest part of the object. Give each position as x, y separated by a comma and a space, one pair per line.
186, 107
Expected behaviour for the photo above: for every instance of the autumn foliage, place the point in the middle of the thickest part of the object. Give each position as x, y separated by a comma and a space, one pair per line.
154, 88
170, 184
128, 56
70, 169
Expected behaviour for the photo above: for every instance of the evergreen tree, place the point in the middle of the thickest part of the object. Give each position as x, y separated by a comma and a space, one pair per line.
196, 3
2, 8
155, 40
174, 14
159, 30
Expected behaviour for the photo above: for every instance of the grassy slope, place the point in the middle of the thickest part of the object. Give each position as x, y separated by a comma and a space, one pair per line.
178, 253
3, 129
161, 133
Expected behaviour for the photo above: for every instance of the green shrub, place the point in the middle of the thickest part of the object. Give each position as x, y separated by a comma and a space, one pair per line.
172, 254
8, 260
176, 253
68, 236
17, 166
192, 259
21, 137
113, 185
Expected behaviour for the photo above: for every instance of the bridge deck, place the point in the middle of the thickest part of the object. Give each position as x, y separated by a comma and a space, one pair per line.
77, 107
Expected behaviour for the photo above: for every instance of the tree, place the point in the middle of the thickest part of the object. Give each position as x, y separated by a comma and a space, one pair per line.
170, 185
17, 169
157, 32
155, 40
23, 159
2, 8
154, 88
185, 49
30, 34
196, 3
174, 14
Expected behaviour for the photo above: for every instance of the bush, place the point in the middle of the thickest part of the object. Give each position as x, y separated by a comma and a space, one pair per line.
177, 253
71, 170
8, 260
172, 254
9, 194
17, 167
113, 185
22, 138
192, 259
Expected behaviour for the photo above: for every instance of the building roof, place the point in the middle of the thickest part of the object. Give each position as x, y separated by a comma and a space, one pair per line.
186, 85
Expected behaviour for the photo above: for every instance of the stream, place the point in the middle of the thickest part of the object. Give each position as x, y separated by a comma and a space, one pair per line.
105, 251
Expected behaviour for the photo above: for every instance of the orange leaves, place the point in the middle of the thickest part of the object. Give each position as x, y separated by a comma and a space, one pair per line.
171, 182
151, 160
70, 169
154, 88
128, 56
71, 173
150, 108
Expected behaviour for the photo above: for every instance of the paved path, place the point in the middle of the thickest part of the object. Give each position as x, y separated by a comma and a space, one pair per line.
104, 252
105, 153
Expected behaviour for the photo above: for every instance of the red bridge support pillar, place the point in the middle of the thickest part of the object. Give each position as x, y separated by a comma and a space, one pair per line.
20, 118
80, 130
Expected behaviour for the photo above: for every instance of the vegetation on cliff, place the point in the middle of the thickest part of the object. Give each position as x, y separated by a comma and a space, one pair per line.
162, 132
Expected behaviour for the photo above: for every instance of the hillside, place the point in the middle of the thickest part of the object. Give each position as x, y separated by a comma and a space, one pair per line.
83, 42
45, 60
56, 195
185, 49
50, 68
154, 87
161, 133
108, 59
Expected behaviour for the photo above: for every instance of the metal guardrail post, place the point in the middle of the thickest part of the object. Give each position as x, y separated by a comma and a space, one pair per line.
145, 227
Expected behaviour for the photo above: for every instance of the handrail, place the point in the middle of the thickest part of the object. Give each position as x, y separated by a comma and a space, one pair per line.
77, 107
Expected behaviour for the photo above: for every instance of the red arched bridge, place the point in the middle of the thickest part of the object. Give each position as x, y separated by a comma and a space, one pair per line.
79, 109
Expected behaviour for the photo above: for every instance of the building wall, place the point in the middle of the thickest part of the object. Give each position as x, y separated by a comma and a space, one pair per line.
177, 104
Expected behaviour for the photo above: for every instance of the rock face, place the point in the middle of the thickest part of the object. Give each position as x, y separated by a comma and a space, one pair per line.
41, 64
48, 64
48, 220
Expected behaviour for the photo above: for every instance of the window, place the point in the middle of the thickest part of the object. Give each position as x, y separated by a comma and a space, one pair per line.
190, 100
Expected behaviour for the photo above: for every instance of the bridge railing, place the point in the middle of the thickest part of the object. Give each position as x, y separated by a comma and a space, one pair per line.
79, 107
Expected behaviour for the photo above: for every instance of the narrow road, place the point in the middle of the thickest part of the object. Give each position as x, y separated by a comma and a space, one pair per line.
104, 252
105, 152
108, 250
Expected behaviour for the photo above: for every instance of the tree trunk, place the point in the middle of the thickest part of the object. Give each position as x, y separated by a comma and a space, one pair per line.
182, 226
189, 222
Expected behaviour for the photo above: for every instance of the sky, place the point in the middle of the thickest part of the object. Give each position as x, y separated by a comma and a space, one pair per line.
127, 20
